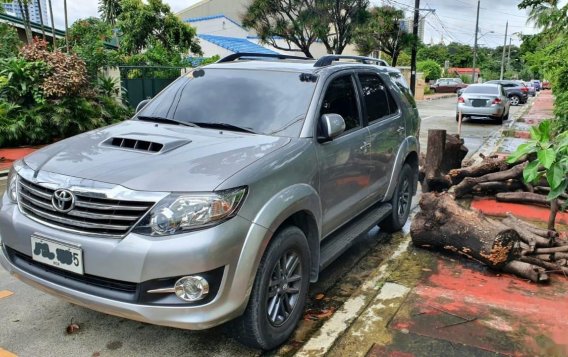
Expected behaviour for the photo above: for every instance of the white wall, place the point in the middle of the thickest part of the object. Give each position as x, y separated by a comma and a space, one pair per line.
210, 49
219, 27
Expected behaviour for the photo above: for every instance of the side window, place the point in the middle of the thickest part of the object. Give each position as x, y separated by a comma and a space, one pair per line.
376, 96
340, 98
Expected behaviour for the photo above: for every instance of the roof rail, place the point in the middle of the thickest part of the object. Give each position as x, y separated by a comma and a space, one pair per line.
327, 60
251, 55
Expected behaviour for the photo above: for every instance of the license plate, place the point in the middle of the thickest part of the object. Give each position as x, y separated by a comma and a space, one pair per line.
57, 254
479, 102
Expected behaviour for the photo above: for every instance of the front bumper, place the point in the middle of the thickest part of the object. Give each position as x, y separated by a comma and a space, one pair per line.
138, 260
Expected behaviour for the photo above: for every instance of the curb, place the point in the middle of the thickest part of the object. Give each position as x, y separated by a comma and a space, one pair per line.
4, 174
449, 95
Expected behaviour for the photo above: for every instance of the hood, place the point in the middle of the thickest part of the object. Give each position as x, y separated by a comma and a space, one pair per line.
155, 157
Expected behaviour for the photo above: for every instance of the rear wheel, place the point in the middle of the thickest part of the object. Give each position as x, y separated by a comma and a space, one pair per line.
515, 100
279, 292
401, 201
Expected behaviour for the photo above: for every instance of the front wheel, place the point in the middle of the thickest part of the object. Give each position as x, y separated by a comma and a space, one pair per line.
279, 292
515, 100
401, 201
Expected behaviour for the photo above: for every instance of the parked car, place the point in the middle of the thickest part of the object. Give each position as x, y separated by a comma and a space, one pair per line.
530, 86
537, 84
517, 93
447, 85
487, 101
546, 85
222, 198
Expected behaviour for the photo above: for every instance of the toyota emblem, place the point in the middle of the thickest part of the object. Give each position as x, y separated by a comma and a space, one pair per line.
63, 200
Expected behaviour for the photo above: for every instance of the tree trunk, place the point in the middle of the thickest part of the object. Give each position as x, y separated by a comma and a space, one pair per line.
434, 157
41, 19
468, 183
443, 224
487, 166
454, 153
26, 19
52, 23
536, 230
553, 212
526, 236
550, 267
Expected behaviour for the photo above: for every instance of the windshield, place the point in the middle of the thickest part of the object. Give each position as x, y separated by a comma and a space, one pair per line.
264, 102
482, 89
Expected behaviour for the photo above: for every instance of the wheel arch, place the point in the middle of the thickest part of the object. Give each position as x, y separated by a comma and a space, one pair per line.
407, 153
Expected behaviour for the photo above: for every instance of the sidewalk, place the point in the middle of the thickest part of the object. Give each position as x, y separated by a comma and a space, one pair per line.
429, 304
439, 96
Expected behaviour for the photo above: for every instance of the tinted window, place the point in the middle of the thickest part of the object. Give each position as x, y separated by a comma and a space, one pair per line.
482, 89
266, 102
340, 98
376, 97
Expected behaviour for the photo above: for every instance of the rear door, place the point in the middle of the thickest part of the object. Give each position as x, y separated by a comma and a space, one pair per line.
386, 128
344, 164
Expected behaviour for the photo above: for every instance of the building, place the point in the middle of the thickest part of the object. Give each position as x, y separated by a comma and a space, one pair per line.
13, 8
467, 71
232, 9
407, 25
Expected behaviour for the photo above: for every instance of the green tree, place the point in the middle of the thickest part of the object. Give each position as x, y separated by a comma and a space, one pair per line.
87, 39
338, 21
109, 10
383, 32
145, 25
431, 69
438, 53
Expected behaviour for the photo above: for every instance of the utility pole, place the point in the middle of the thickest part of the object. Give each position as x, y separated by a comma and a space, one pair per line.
509, 55
414, 46
504, 48
475, 43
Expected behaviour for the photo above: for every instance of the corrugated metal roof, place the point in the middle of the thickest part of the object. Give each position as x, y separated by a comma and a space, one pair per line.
235, 44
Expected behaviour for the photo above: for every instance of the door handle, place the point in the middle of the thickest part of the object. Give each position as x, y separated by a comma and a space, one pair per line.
400, 130
365, 147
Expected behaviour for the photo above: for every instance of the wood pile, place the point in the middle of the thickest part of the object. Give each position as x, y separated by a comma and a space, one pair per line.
510, 245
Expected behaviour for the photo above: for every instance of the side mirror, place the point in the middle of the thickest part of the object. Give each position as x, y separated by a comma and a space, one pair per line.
330, 126
460, 91
141, 105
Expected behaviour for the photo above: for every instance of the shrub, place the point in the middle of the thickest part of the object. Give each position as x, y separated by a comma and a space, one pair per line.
431, 70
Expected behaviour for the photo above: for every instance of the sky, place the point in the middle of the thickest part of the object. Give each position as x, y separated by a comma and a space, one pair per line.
454, 20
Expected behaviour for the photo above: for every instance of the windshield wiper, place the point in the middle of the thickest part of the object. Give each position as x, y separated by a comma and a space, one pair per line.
227, 126
157, 119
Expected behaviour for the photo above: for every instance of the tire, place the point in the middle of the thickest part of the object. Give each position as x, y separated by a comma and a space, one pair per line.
505, 117
515, 100
498, 120
401, 201
255, 328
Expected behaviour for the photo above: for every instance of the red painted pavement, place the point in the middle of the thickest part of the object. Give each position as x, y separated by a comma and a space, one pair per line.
491, 207
7, 156
478, 308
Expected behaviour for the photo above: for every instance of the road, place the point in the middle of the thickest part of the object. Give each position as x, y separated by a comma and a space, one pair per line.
35, 323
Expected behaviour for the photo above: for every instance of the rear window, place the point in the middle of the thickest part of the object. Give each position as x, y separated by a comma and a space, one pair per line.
482, 89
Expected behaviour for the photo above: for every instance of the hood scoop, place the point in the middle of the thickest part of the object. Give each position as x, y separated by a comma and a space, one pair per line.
150, 144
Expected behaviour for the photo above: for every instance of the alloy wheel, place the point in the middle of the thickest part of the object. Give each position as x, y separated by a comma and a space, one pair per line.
284, 288
404, 198
515, 100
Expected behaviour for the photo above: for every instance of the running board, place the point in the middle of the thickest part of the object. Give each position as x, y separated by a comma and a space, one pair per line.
333, 246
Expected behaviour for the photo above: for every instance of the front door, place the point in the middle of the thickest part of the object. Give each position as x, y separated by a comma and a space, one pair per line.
386, 128
344, 165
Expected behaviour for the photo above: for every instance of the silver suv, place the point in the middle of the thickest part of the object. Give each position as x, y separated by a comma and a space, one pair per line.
222, 199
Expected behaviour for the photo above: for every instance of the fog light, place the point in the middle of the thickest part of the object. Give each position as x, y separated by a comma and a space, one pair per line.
191, 288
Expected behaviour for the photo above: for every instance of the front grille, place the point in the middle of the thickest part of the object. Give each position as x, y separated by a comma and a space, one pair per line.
90, 215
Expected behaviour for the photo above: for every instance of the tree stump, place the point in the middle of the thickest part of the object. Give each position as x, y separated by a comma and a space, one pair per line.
444, 153
488, 165
443, 224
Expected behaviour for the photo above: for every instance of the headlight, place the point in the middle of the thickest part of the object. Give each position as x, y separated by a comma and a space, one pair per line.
12, 190
182, 212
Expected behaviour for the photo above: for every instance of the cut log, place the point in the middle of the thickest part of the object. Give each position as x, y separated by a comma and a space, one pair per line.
497, 186
563, 249
528, 271
523, 197
554, 206
526, 236
434, 156
454, 153
488, 165
443, 224
536, 230
550, 267
546, 189
468, 183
